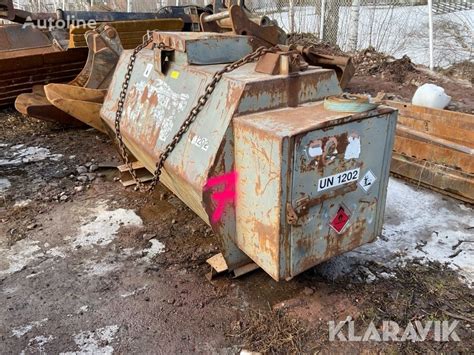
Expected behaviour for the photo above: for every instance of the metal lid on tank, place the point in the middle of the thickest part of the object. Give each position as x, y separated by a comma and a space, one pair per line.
206, 48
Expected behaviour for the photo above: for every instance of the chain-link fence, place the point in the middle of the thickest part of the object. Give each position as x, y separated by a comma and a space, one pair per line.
396, 27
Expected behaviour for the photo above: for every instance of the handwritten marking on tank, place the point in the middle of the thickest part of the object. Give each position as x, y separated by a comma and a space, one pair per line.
353, 148
199, 142
225, 197
155, 98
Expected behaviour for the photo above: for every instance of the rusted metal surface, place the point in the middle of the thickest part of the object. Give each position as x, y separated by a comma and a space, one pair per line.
343, 65
36, 105
81, 99
240, 23
15, 38
131, 33
18, 74
256, 129
205, 49
281, 63
435, 148
189, 14
81, 103
280, 167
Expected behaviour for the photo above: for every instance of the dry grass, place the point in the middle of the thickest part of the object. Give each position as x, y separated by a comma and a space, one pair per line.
270, 332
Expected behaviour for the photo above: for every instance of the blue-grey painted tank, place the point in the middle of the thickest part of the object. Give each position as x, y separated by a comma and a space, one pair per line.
284, 182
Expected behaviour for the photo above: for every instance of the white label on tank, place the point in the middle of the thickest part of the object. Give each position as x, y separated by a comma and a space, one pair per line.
367, 181
353, 148
338, 180
148, 70
315, 149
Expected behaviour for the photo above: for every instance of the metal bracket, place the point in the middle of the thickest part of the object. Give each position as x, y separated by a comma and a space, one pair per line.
281, 63
291, 215
163, 57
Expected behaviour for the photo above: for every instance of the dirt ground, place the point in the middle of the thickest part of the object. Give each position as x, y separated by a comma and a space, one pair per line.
400, 78
87, 266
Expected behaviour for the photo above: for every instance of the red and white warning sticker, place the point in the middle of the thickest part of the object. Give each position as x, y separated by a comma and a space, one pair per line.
340, 220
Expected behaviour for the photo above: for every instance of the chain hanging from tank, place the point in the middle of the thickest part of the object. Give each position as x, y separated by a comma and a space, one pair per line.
201, 102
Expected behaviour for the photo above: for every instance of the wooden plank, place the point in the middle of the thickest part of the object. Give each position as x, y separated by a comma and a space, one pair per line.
128, 183
135, 165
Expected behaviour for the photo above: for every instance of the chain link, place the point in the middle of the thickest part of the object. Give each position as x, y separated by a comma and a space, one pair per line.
201, 102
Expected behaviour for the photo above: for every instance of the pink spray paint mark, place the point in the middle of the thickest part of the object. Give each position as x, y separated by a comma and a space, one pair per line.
225, 197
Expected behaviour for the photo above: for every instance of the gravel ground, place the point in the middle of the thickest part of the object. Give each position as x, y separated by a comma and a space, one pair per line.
87, 266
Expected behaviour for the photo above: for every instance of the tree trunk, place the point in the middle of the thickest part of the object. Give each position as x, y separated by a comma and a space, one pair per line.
354, 26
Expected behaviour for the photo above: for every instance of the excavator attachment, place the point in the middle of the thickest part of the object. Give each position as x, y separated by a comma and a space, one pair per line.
130, 32
34, 53
104, 51
239, 21
20, 70
81, 103
342, 65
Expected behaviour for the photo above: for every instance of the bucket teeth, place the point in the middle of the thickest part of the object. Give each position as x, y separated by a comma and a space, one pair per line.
80, 103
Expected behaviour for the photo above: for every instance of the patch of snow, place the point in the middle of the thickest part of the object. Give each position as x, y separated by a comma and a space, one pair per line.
419, 225
57, 252
133, 293
396, 30
9, 290
4, 184
38, 344
22, 203
34, 275
103, 229
156, 248
100, 268
95, 342
18, 256
22, 330
19, 155
83, 309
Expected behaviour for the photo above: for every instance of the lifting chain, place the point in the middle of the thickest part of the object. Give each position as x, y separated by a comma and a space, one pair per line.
201, 102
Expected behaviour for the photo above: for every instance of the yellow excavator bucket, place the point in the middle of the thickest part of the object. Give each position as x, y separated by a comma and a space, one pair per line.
130, 32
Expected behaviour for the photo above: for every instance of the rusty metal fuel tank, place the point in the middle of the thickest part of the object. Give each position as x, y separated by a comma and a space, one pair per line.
284, 182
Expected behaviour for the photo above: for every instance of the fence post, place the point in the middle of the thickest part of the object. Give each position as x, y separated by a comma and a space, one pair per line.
129, 5
430, 29
323, 16
354, 26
